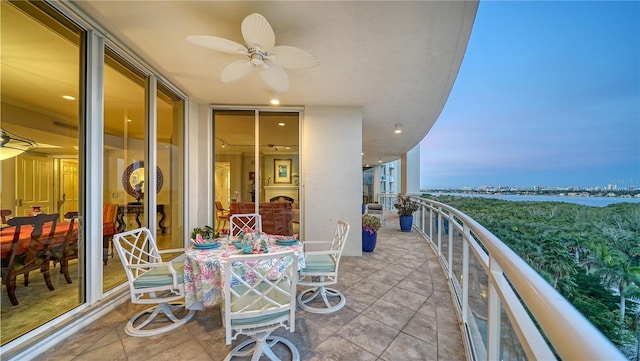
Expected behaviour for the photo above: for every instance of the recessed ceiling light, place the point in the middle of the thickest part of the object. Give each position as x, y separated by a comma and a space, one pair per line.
129, 120
68, 97
281, 124
275, 99
398, 129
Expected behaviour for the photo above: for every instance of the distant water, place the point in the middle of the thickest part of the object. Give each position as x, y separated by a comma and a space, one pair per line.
585, 201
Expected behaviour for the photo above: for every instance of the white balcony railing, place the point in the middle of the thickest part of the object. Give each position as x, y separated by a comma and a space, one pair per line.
508, 311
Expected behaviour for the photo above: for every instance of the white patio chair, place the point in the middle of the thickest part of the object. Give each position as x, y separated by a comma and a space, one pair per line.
321, 271
238, 222
259, 297
152, 281
377, 210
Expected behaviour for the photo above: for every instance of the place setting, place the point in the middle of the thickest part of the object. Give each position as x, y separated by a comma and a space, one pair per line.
204, 238
201, 243
285, 240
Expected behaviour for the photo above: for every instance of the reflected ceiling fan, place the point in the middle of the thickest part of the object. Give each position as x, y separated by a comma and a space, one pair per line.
277, 147
260, 53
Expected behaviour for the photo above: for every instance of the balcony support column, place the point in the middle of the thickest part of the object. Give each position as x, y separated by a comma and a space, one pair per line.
465, 276
494, 308
450, 233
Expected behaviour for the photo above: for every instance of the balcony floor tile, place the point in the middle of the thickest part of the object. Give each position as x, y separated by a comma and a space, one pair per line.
398, 308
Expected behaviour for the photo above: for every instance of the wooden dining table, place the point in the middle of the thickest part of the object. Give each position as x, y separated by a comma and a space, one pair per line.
203, 269
24, 240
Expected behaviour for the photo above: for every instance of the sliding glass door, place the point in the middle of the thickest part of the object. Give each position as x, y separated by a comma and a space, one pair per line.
123, 161
40, 160
257, 161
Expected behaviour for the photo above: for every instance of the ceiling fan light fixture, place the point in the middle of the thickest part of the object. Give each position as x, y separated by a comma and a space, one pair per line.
261, 51
12, 145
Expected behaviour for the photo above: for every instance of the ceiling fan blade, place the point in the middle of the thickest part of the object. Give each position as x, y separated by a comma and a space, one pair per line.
219, 44
290, 57
236, 70
256, 30
275, 77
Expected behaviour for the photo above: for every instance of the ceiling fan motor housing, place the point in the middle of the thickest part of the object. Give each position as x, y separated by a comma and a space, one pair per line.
257, 56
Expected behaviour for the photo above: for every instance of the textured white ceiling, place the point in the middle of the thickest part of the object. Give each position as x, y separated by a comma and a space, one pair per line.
395, 59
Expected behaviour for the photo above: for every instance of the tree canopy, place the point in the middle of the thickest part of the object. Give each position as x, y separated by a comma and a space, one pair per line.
591, 255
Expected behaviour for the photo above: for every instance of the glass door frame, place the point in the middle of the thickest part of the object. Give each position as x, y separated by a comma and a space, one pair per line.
257, 110
93, 111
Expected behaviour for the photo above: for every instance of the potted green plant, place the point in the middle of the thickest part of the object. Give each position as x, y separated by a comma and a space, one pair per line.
370, 226
205, 232
405, 207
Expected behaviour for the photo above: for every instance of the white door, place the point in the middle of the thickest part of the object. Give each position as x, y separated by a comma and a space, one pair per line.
68, 185
221, 182
34, 184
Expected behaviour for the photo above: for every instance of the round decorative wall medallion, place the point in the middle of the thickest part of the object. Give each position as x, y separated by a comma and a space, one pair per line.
133, 180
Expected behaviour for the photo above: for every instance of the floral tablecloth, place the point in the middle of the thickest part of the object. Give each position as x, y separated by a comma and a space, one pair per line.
203, 271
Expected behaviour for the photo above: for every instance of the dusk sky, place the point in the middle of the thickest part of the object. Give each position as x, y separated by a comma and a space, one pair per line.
548, 95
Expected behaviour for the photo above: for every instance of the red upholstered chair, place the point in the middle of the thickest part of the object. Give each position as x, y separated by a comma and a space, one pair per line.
109, 213
277, 218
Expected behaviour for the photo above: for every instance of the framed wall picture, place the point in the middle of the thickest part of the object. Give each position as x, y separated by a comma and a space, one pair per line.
282, 171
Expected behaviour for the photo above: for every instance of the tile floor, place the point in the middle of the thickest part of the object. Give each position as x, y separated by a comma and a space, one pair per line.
398, 308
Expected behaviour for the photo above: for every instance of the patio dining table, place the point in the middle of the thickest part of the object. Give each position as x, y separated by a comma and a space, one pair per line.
203, 270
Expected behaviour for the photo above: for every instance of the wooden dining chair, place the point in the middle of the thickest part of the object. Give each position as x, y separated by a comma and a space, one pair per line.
30, 250
222, 215
5, 213
68, 250
238, 222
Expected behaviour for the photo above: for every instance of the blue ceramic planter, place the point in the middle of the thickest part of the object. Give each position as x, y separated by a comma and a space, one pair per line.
369, 241
405, 223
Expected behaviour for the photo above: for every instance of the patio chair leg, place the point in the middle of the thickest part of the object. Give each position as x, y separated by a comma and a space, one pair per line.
138, 330
262, 344
323, 292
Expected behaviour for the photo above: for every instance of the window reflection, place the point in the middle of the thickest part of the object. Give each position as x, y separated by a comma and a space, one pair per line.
40, 100
241, 183
170, 155
124, 119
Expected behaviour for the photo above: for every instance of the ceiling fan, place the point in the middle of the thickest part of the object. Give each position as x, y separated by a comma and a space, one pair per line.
261, 53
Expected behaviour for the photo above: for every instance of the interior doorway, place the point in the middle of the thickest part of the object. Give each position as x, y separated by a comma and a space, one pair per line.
222, 182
